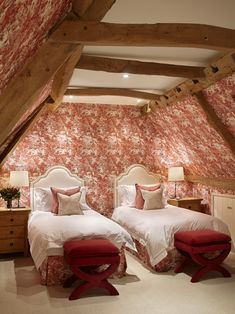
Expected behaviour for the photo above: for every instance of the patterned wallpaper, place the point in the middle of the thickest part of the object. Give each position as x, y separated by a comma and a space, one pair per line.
98, 141
24, 25
93, 141
222, 97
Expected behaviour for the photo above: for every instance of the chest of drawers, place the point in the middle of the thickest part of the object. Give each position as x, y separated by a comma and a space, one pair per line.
13, 230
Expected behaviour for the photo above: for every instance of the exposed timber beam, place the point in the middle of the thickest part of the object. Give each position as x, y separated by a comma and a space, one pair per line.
150, 35
80, 7
216, 122
222, 183
113, 65
24, 90
124, 92
19, 96
216, 71
95, 11
62, 78
86, 9
23, 130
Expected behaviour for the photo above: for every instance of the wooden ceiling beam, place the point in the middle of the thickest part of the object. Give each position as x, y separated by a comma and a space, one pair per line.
24, 90
215, 121
96, 10
85, 9
124, 92
62, 78
94, 63
216, 71
147, 35
80, 7
23, 130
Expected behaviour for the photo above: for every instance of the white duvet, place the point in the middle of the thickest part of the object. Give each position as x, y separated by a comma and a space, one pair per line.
48, 232
155, 228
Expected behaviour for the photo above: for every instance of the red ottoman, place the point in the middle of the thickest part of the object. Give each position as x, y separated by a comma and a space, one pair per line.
84, 257
194, 244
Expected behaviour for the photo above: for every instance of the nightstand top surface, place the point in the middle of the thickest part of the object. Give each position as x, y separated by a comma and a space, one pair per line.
25, 209
187, 198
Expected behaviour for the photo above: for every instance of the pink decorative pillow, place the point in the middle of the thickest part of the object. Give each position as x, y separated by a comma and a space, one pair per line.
139, 200
55, 202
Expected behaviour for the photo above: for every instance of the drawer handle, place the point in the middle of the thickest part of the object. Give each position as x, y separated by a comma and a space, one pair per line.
11, 244
11, 232
12, 219
189, 207
229, 207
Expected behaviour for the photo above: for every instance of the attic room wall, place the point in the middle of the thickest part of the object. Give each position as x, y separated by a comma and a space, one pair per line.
93, 141
221, 96
197, 146
186, 137
24, 25
97, 141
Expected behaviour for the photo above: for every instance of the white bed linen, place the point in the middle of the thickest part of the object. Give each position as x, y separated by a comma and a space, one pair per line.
48, 232
155, 228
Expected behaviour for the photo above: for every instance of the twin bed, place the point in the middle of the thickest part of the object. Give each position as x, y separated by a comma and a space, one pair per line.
147, 234
48, 232
153, 230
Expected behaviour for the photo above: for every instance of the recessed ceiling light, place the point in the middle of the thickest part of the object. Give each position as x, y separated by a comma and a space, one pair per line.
138, 100
125, 75
70, 96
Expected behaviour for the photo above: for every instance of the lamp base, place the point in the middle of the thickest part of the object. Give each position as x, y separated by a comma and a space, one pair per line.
18, 207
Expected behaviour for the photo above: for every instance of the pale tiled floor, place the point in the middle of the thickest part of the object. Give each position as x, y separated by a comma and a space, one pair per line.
141, 292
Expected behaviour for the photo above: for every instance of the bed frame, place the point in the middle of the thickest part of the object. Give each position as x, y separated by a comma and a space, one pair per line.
54, 270
57, 176
134, 174
140, 174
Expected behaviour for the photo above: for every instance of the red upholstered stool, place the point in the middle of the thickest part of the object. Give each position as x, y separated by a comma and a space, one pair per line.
84, 257
194, 244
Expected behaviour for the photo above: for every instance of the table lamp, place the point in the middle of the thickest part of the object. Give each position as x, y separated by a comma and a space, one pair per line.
175, 174
19, 179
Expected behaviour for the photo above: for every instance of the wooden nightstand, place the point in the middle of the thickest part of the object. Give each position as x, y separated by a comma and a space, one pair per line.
192, 203
13, 230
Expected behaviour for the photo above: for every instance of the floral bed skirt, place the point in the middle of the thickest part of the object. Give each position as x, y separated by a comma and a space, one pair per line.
54, 270
169, 262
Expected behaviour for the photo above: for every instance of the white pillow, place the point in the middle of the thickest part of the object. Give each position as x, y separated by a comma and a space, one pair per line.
69, 205
83, 202
127, 195
83, 190
42, 199
153, 199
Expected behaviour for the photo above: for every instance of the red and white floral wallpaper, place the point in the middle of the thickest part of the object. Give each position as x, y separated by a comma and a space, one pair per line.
98, 141
222, 97
23, 27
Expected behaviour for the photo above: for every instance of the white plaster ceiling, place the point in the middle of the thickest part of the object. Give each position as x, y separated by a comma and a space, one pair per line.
211, 12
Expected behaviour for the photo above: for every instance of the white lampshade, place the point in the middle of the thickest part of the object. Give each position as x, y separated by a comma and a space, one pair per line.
19, 178
176, 174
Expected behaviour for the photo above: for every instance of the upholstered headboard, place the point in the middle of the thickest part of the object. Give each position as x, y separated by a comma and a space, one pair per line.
134, 174
57, 176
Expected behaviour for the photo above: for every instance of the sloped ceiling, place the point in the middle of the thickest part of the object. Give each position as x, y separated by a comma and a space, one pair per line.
153, 11
25, 26
98, 141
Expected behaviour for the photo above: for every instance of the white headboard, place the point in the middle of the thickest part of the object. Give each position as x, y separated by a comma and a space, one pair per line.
57, 176
134, 174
